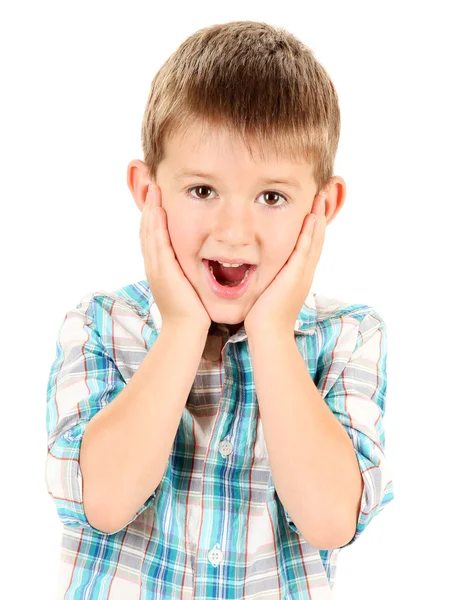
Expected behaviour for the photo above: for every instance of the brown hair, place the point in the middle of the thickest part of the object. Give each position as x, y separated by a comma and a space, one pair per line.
257, 81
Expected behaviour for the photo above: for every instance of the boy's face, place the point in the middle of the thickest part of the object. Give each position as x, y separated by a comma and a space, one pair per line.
231, 215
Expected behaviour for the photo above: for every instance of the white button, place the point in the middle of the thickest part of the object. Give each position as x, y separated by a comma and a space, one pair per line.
225, 448
215, 556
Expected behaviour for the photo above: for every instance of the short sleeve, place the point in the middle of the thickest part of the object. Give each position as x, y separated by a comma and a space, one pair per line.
354, 385
83, 379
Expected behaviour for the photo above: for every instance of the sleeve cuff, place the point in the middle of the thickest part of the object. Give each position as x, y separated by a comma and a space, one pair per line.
64, 481
377, 492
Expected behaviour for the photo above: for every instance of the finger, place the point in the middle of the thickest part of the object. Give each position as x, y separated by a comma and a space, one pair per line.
314, 218
303, 245
158, 213
319, 205
311, 223
150, 221
318, 210
159, 223
151, 205
156, 217
318, 234
154, 195
312, 230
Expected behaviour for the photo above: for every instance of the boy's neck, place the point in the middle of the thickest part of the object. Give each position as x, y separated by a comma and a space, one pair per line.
221, 327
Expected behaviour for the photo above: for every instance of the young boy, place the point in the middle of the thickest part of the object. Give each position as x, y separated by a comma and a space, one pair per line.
212, 436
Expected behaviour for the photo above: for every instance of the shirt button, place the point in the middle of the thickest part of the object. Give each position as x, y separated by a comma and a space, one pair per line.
215, 556
225, 448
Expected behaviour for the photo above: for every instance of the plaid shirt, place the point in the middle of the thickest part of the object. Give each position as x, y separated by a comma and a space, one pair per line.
214, 527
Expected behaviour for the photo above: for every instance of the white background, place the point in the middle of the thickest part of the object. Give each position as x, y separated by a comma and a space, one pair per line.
75, 79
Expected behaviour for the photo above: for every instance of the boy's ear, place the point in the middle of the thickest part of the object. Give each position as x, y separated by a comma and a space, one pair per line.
336, 192
138, 180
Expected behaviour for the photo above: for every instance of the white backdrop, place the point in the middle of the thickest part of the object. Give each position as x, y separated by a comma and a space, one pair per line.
75, 79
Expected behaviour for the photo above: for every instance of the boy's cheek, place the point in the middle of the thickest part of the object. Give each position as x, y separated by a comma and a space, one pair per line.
181, 235
185, 229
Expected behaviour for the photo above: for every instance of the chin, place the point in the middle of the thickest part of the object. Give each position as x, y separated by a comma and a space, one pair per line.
223, 316
229, 323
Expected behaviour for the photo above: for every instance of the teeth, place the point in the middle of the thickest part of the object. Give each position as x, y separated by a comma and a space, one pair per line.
228, 264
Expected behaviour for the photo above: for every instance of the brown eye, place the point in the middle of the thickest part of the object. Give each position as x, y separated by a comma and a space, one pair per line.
276, 199
272, 194
198, 190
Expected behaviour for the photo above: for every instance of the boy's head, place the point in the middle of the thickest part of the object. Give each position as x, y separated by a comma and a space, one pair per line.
243, 102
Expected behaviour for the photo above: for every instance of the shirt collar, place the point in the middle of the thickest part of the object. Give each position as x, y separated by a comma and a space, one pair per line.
305, 322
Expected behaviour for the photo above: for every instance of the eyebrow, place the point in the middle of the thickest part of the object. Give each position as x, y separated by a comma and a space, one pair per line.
183, 173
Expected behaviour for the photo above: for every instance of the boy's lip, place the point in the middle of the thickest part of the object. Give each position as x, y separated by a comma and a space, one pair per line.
232, 261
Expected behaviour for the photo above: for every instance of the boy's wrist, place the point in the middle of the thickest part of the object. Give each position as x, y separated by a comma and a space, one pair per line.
185, 326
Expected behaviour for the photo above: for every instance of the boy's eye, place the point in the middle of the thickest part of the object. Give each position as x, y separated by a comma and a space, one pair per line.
266, 193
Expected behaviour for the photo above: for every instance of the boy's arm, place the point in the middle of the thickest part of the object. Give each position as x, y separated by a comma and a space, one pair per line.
84, 379
331, 484
126, 445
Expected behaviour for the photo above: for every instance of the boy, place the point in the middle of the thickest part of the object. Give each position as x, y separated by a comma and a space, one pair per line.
216, 431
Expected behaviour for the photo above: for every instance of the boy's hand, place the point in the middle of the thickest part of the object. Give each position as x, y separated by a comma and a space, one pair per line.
175, 296
279, 305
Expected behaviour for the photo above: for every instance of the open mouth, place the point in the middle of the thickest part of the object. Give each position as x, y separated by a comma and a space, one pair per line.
228, 276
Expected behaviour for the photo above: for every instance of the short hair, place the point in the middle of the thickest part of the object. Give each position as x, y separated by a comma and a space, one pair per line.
257, 81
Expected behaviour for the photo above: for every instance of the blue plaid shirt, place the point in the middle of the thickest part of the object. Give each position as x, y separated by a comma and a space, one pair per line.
214, 527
